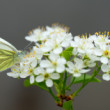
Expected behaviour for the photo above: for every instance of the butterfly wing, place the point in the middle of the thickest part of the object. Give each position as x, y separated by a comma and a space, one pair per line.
7, 59
7, 46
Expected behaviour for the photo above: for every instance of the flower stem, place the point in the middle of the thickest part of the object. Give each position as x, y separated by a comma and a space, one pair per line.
53, 95
64, 84
95, 72
73, 78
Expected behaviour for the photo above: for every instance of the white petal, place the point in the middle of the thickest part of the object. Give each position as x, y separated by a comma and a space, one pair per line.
45, 63
14, 75
105, 68
104, 60
80, 50
98, 52
53, 57
34, 63
84, 70
74, 44
30, 38
69, 70
46, 49
49, 83
55, 76
50, 70
77, 75
38, 70
65, 44
92, 64
58, 50
60, 68
70, 64
77, 38
40, 78
77, 60
31, 79
61, 61
106, 77
23, 75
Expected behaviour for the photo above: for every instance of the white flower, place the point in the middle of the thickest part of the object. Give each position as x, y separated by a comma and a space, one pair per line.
83, 45
25, 68
57, 41
15, 71
89, 63
77, 68
55, 63
101, 41
104, 53
43, 75
106, 69
38, 53
36, 35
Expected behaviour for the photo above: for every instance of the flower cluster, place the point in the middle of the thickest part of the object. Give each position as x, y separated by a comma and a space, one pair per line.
46, 61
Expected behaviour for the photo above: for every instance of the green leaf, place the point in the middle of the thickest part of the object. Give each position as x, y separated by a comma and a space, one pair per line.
87, 78
68, 105
41, 85
67, 53
27, 83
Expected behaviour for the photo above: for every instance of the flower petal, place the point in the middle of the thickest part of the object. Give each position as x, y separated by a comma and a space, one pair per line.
14, 75
77, 75
38, 70
45, 63
60, 68
105, 68
34, 63
70, 64
104, 60
40, 78
49, 83
106, 77
55, 76
58, 50
84, 70
31, 79
50, 70
61, 61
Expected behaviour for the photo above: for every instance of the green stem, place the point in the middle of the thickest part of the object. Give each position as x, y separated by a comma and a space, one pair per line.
84, 84
64, 84
53, 95
84, 78
73, 78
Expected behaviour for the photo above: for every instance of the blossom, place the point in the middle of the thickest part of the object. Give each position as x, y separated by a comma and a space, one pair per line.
25, 68
55, 63
36, 35
106, 69
44, 75
83, 45
103, 52
45, 61
57, 42
77, 68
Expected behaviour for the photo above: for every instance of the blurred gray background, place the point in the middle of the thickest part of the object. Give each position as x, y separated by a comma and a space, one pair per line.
17, 17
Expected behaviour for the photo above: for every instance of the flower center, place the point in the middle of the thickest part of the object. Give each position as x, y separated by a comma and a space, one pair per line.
46, 75
54, 63
75, 71
106, 52
30, 71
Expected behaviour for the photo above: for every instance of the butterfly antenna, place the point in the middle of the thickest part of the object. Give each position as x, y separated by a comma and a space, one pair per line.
28, 45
